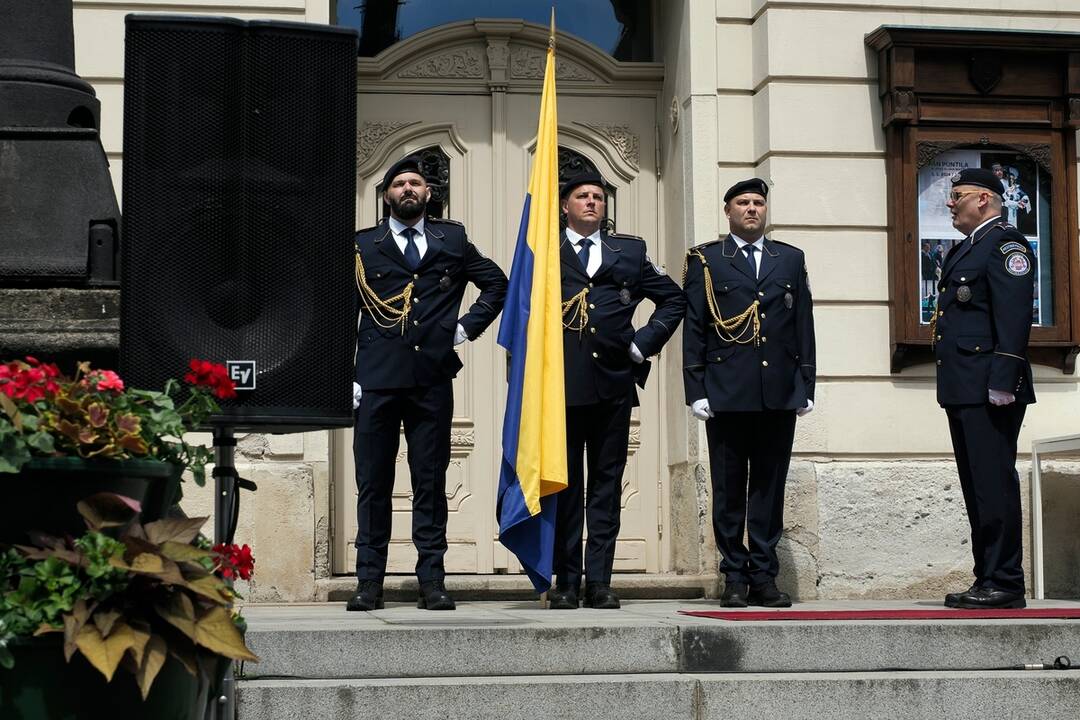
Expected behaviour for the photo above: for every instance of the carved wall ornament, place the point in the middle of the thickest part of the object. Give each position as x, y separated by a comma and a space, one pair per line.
621, 137
928, 150
1039, 152
903, 102
527, 63
498, 53
459, 63
370, 134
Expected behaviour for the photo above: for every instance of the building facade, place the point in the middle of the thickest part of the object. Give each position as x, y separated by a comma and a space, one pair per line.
790, 91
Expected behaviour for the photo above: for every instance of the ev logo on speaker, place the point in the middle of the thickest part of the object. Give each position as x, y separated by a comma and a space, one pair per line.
242, 372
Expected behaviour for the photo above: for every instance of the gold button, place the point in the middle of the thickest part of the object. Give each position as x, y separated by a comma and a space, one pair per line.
590, 284
592, 330
762, 316
595, 355
764, 363
941, 289
939, 362
940, 313
591, 306
939, 338
763, 338
416, 348
719, 359
415, 277
977, 348
415, 322
963, 279
416, 300
762, 294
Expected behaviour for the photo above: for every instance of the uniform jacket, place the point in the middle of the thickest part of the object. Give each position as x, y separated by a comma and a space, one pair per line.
778, 372
984, 317
597, 357
423, 354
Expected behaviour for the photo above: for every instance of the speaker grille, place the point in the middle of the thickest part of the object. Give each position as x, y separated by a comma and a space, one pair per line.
239, 187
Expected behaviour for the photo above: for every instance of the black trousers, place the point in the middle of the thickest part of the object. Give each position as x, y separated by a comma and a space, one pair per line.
984, 443
749, 450
599, 432
426, 413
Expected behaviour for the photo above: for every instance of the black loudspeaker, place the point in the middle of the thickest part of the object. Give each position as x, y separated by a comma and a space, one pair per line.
239, 204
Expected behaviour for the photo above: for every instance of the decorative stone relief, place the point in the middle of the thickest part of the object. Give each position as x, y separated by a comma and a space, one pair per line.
498, 53
1039, 152
463, 63
527, 63
927, 151
903, 102
370, 134
624, 140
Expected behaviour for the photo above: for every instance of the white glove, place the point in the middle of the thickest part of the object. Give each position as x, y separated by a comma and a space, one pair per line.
356, 393
700, 409
459, 335
635, 354
1000, 397
806, 410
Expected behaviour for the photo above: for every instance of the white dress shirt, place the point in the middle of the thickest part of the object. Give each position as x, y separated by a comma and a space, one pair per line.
759, 244
397, 228
595, 254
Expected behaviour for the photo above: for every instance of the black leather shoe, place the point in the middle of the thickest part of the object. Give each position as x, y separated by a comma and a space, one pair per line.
734, 594
433, 596
953, 599
562, 597
600, 596
766, 595
989, 598
368, 597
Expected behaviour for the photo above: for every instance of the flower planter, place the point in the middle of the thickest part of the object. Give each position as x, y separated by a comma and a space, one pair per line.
42, 686
44, 494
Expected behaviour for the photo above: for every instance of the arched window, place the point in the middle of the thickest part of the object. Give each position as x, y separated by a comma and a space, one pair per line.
621, 28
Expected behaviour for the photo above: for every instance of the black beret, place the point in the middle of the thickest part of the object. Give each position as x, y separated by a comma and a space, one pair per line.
979, 178
586, 178
753, 185
410, 163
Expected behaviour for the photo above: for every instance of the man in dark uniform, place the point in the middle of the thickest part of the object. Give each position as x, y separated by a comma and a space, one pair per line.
604, 278
980, 334
748, 359
411, 274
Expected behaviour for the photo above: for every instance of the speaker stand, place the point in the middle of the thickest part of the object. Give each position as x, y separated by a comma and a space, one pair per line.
223, 707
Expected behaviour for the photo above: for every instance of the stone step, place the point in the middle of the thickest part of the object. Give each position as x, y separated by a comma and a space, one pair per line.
494, 639
1047, 695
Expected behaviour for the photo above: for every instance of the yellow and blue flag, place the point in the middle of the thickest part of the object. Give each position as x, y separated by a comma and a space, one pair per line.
534, 427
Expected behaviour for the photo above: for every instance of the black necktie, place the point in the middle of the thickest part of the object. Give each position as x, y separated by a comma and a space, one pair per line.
749, 251
583, 252
412, 253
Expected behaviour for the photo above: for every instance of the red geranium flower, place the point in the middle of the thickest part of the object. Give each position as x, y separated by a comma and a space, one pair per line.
30, 381
213, 376
105, 380
234, 561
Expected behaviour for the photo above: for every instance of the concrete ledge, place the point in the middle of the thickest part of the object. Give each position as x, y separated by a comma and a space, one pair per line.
1048, 695
403, 588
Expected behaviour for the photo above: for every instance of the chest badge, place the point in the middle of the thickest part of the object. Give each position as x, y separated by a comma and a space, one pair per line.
963, 293
624, 296
789, 300
444, 282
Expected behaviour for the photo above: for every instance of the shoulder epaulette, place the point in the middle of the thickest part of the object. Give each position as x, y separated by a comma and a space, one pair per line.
781, 242
624, 236
367, 229
704, 245
448, 221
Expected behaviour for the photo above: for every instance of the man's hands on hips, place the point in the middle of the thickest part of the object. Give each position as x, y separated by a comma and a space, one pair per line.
700, 409
806, 410
1000, 397
635, 354
459, 335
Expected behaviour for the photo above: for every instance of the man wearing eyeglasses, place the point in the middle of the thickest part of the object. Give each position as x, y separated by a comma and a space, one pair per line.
980, 334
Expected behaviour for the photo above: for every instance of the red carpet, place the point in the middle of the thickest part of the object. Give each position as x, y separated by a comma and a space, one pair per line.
935, 614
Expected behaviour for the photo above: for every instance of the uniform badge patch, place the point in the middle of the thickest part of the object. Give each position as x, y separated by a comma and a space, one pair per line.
1017, 264
624, 296
1013, 246
963, 293
444, 282
789, 300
